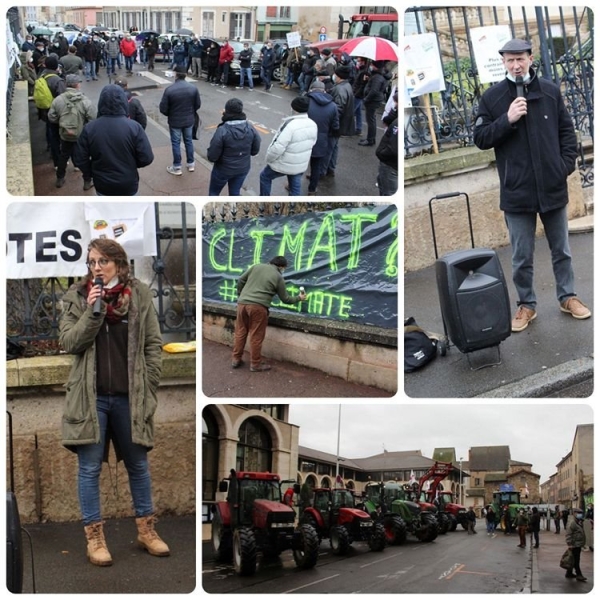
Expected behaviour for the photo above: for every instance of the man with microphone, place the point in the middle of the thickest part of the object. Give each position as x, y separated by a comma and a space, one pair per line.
525, 120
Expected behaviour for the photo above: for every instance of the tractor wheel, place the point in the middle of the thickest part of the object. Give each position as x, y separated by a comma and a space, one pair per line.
395, 530
443, 523
377, 541
308, 520
307, 552
428, 529
453, 522
339, 540
244, 551
221, 539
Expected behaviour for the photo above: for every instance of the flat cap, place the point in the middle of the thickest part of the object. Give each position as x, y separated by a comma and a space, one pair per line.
72, 79
516, 47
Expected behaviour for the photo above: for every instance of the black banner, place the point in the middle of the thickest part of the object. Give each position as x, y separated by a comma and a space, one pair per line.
346, 259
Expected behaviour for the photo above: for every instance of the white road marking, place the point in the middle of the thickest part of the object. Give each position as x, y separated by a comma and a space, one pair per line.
313, 583
380, 560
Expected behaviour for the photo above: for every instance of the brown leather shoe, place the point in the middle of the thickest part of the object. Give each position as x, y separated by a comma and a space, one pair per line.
236, 364
576, 308
522, 318
261, 367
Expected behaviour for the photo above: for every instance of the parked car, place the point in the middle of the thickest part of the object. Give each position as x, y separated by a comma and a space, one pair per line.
234, 69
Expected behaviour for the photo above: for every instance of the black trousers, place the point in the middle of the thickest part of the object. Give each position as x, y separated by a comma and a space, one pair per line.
576, 562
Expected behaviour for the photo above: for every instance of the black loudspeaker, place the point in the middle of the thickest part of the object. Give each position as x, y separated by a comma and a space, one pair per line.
473, 298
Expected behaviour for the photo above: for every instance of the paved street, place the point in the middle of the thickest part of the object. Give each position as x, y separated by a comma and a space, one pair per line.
455, 563
355, 174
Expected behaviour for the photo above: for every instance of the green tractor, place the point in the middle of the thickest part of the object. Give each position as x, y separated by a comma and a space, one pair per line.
390, 504
510, 499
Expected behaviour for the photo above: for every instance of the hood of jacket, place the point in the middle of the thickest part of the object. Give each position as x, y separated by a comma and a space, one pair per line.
321, 98
73, 95
237, 129
112, 101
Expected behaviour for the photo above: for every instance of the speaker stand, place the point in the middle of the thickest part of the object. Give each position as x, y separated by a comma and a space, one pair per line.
490, 364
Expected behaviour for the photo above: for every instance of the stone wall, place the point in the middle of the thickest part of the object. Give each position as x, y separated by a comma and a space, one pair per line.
467, 170
46, 473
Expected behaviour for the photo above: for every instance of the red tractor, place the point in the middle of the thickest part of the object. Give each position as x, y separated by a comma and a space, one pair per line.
448, 513
254, 520
334, 516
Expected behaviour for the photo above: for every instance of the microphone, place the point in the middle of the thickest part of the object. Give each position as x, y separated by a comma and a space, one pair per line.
520, 89
97, 310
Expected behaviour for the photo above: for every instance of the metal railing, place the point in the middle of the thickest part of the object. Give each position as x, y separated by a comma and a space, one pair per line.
33, 305
564, 53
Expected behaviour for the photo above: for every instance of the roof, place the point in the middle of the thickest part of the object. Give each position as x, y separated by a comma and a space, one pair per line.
304, 452
492, 477
523, 471
489, 458
516, 463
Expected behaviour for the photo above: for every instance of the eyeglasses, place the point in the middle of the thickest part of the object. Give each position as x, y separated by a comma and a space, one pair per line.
101, 261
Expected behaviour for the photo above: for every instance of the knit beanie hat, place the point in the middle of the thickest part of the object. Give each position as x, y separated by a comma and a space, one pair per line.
300, 104
342, 72
51, 62
234, 106
317, 85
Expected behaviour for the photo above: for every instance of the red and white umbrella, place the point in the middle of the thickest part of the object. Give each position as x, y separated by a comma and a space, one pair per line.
375, 48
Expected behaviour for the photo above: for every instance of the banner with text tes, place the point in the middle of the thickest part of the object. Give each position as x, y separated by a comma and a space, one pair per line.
346, 259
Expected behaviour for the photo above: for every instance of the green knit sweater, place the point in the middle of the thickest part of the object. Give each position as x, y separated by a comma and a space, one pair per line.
260, 283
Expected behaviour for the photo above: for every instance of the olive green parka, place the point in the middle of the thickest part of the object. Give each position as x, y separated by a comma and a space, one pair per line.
77, 333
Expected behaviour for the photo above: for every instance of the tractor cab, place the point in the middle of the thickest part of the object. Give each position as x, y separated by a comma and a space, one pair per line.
328, 503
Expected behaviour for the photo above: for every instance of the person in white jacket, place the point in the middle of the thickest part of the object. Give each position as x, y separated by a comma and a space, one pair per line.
289, 152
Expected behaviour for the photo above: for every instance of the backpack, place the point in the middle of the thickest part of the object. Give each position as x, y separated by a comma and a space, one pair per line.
70, 123
42, 96
419, 347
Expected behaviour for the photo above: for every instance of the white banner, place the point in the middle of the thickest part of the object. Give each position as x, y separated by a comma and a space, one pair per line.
293, 39
486, 43
51, 239
423, 72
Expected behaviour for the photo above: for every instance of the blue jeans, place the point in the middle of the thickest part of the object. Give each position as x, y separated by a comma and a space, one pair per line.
111, 63
266, 178
265, 75
521, 228
304, 81
290, 78
218, 181
113, 410
129, 63
331, 163
490, 526
246, 72
358, 104
387, 180
90, 70
176, 134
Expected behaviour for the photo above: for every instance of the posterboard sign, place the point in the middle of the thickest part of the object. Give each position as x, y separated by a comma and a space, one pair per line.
51, 239
293, 39
423, 71
486, 43
346, 259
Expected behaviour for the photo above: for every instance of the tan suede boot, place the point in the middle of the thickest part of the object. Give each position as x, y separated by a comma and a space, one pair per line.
148, 538
97, 551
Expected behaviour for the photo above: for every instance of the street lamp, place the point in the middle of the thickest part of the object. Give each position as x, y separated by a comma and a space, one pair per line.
460, 486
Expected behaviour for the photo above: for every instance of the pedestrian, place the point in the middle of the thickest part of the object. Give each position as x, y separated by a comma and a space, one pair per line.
61, 44
536, 149
329, 62
166, 48
28, 45
267, 65
112, 54
27, 72
112, 395
179, 103
179, 56
293, 67
575, 538
324, 112
70, 111
556, 517
342, 95
225, 59
308, 71
212, 64
129, 50
245, 58
113, 147
99, 43
471, 521
233, 144
565, 517
374, 95
282, 55
521, 523
71, 64
136, 110
289, 152
90, 54
151, 48
508, 520
534, 525
490, 520
387, 153
256, 289
39, 57
196, 51
79, 43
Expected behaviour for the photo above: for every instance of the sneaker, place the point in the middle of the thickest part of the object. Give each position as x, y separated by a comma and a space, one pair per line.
236, 364
576, 308
239, 87
260, 368
581, 578
223, 86
191, 167
60, 181
88, 184
522, 318
174, 170
250, 89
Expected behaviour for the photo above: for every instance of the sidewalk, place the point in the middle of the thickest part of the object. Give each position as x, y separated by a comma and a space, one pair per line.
547, 576
284, 380
552, 357
61, 566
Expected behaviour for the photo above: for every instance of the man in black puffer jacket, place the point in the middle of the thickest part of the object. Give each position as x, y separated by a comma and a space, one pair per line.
112, 147
536, 150
374, 96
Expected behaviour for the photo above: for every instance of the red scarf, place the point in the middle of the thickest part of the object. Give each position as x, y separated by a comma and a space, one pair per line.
117, 300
